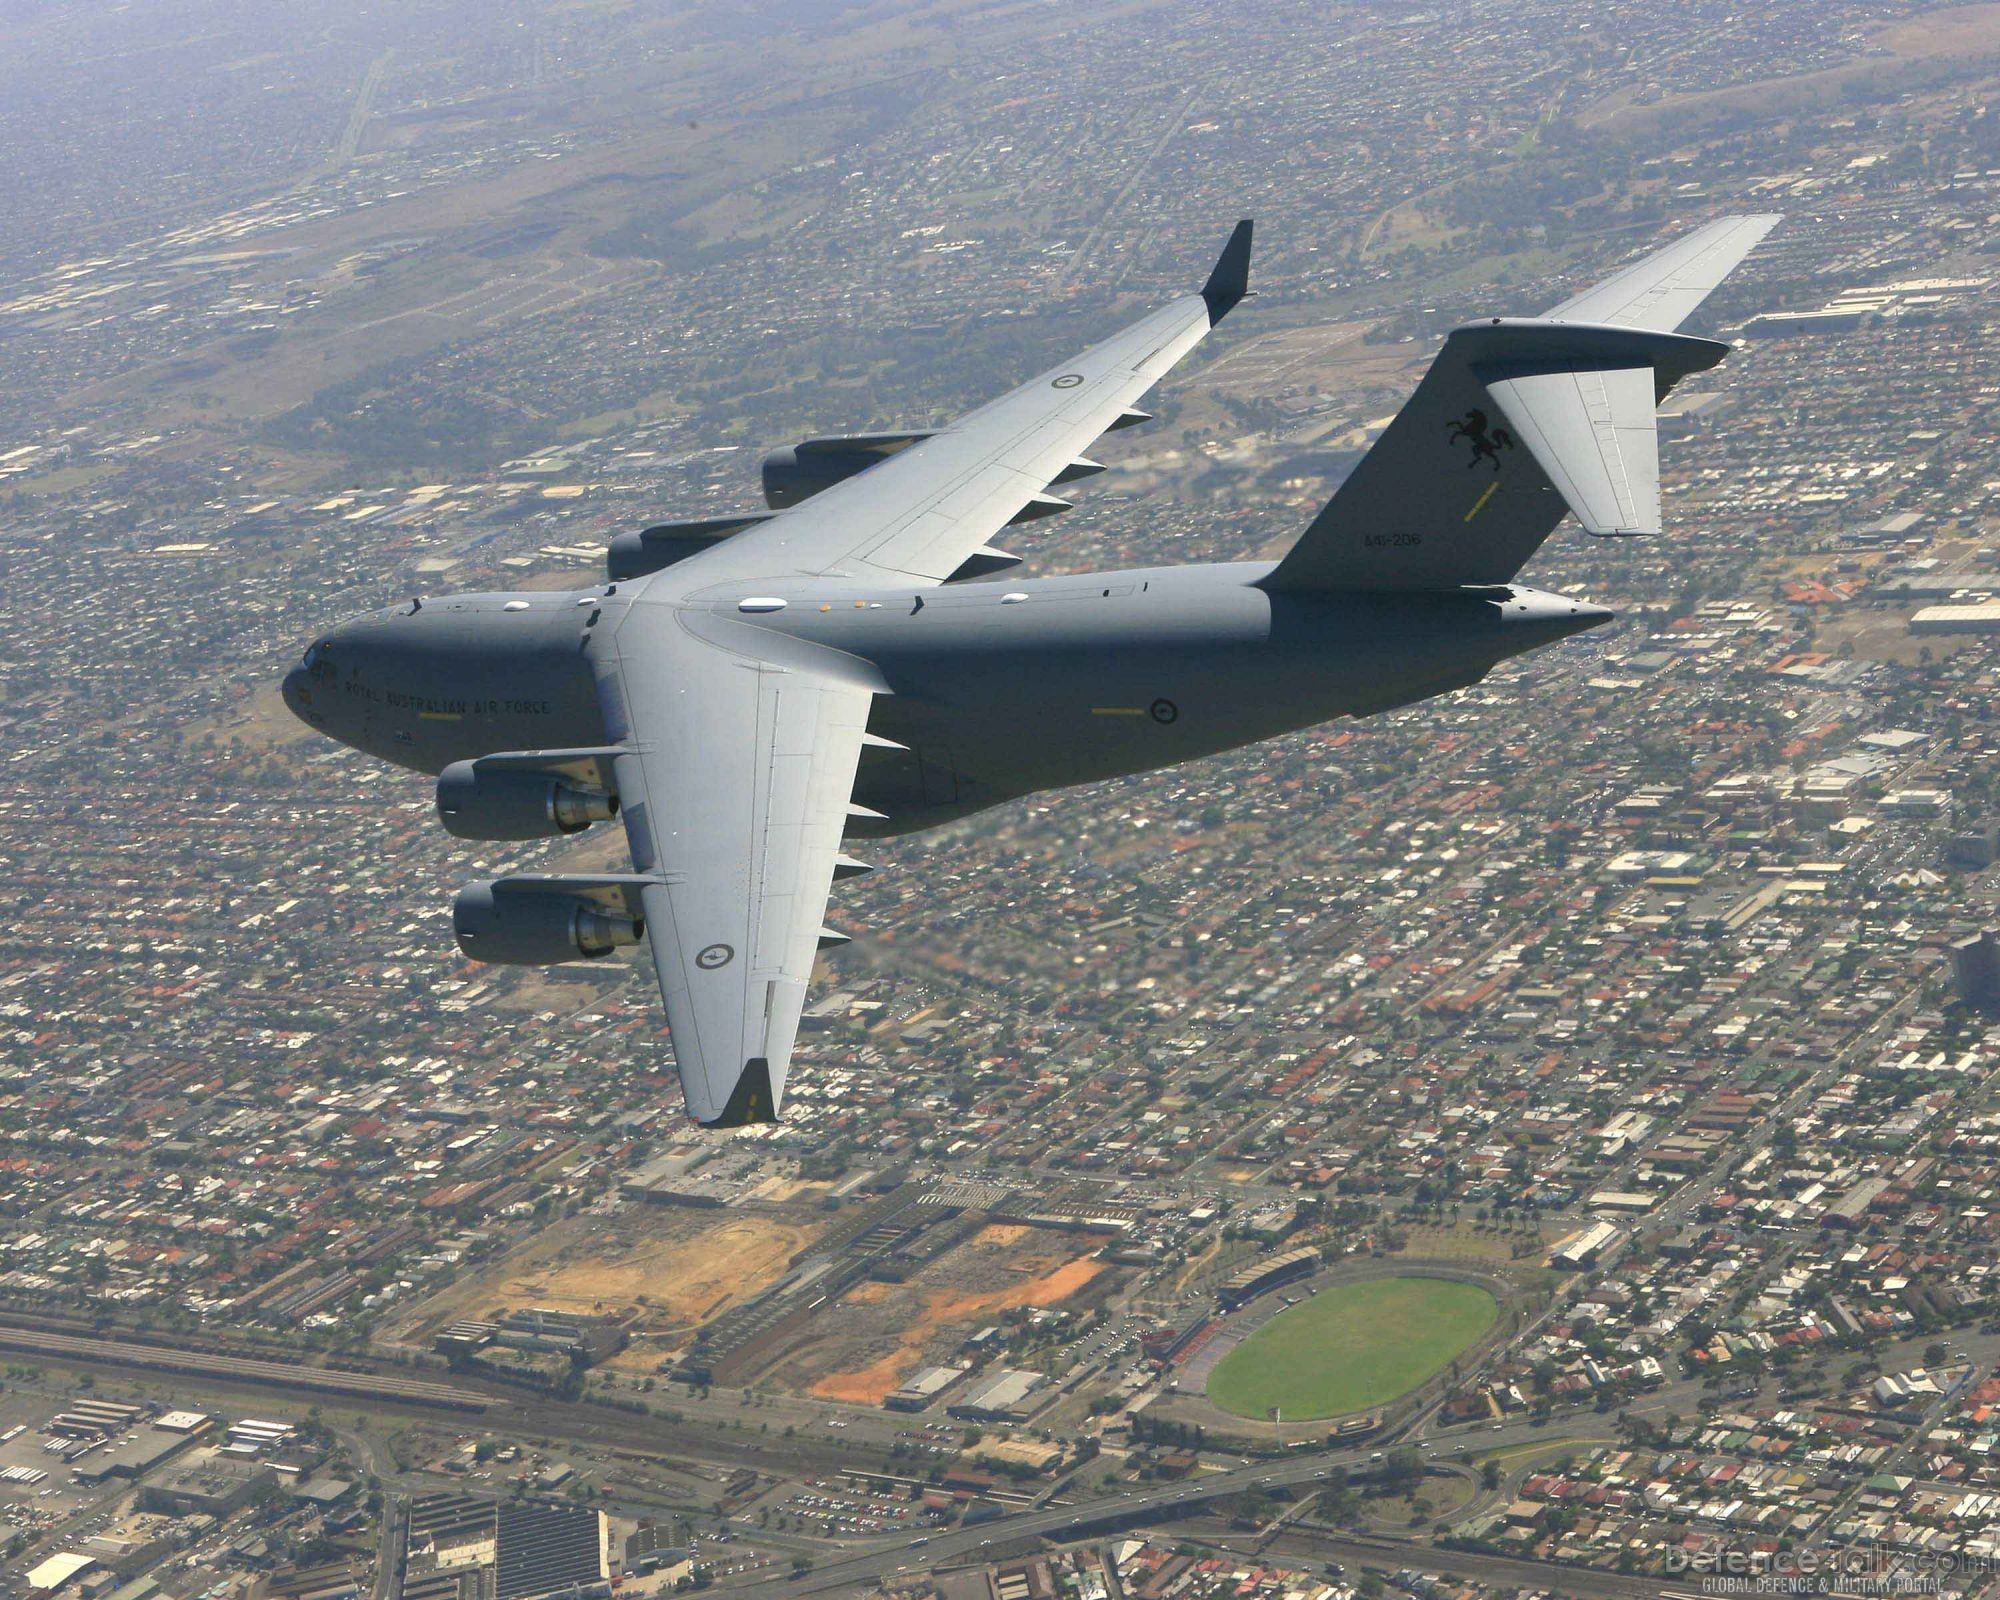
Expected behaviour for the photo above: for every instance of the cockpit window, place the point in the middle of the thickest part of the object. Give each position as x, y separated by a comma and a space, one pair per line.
313, 652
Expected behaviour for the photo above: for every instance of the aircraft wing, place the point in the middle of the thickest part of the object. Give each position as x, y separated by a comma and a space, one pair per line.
1661, 290
921, 513
740, 747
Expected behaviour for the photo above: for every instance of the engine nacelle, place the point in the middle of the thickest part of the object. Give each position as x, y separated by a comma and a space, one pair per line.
801, 471
527, 794
634, 554
545, 920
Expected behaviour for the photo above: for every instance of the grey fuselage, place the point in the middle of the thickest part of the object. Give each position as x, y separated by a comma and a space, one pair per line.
999, 689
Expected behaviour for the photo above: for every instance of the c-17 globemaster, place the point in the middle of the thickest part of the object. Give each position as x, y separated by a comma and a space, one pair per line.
749, 692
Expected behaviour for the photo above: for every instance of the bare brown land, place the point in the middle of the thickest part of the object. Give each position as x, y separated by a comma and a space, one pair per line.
669, 1271
882, 1332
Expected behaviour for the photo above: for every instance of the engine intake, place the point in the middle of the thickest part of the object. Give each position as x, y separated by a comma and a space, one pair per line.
544, 920
527, 794
801, 471
633, 554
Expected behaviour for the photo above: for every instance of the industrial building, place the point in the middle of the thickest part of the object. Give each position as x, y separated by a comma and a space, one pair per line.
1843, 316
94, 1419
145, 1449
1975, 967
462, 1547
1586, 1247
58, 1570
1981, 616
921, 1389
1002, 1395
209, 1484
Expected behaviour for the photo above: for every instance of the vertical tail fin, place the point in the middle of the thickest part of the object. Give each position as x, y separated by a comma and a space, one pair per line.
1518, 422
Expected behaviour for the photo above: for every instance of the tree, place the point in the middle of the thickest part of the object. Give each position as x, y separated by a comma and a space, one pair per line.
1403, 1470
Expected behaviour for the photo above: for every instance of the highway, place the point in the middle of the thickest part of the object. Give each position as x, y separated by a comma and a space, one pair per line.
1305, 1547
1153, 1502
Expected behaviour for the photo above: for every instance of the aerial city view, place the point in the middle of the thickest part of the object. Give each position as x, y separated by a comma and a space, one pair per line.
1178, 800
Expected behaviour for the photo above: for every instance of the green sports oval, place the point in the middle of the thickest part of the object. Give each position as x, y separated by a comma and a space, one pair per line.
1352, 1346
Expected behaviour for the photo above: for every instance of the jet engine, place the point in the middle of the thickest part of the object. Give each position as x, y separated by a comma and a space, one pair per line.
542, 920
801, 471
526, 794
634, 553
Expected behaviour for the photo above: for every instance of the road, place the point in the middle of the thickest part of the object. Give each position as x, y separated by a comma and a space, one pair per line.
1153, 1501
389, 1553
1306, 1548
945, 1549
1162, 1502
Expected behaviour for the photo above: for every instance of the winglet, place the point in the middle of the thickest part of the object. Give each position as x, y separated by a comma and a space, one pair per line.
751, 1101
1230, 281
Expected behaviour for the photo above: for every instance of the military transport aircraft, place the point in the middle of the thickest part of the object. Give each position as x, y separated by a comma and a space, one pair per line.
748, 692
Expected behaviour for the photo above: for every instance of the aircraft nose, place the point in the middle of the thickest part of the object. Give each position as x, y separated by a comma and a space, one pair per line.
297, 693
308, 689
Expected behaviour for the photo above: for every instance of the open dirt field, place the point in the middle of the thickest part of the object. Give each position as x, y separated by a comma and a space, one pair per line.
259, 724
1876, 636
673, 1269
882, 1332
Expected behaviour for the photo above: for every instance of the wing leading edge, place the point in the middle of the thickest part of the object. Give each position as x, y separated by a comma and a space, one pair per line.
917, 516
1660, 291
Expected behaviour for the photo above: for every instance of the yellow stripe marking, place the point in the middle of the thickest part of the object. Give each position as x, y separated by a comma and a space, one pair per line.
441, 716
1117, 711
1479, 505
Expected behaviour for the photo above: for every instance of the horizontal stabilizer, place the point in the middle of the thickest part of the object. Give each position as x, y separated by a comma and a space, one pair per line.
1662, 290
1453, 494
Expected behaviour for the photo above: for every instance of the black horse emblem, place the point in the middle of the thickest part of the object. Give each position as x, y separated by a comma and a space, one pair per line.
1487, 443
